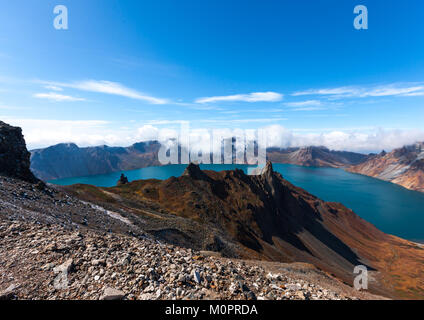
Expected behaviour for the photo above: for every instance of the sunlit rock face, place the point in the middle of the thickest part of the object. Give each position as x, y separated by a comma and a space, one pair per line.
403, 166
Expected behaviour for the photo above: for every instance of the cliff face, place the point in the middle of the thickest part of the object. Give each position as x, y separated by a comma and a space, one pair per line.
315, 157
14, 157
403, 166
68, 160
264, 217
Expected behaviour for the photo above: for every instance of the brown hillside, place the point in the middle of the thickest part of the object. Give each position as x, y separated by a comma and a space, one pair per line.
403, 166
266, 217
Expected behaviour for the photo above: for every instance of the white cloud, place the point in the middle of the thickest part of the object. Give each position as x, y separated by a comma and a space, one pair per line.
357, 139
394, 89
54, 88
147, 133
308, 105
345, 91
163, 122
43, 133
308, 109
57, 97
304, 103
235, 121
350, 140
251, 97
108, 87
414, 94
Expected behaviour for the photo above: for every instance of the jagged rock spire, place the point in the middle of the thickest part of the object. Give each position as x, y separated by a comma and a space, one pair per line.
269, 177
122, 180
193, 170
268, 168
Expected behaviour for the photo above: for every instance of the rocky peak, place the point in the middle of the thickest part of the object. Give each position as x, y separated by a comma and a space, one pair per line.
122, 180
268, 170
269, 177
61, 147
193, 171
14, 156
312, 150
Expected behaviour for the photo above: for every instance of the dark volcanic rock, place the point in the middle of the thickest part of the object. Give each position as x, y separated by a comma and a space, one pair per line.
14, 156
122, 180
193, 170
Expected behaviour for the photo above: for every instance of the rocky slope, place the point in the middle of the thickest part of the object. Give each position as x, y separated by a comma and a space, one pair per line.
68, 160
55, 246
315, 157
265, 217
404, 166
50, 262
14, 157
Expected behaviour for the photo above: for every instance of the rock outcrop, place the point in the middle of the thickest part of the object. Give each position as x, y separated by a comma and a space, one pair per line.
193, 171
14, 156
403, 166
122, 180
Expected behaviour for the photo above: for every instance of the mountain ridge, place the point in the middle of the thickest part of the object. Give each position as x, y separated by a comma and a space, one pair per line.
67, 160
315, 156
264, 217
403, 166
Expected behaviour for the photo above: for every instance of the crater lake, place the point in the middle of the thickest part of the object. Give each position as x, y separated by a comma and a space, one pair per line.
391, 208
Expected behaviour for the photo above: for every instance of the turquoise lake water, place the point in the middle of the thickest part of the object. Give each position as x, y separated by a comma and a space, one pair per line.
391, 208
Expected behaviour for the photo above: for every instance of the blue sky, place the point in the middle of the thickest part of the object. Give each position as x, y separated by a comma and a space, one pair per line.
124, 70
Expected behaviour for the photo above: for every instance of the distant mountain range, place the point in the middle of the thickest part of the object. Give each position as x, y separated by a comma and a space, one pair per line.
68, 160
403, 166
315, 157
